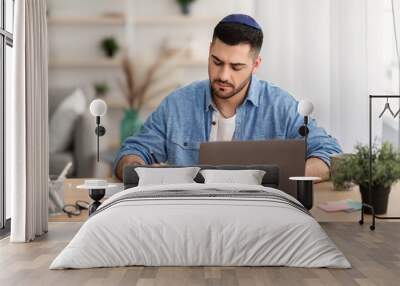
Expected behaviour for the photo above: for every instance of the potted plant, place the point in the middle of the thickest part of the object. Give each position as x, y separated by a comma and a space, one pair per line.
335, 161
385, 171
136, 91
110, 46
185, 5
101, 89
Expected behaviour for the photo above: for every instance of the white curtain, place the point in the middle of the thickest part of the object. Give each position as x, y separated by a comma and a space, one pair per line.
27, 124
321, 50
296, 50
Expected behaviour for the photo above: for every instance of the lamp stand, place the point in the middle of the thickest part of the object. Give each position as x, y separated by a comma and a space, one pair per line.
100, 131
303, 131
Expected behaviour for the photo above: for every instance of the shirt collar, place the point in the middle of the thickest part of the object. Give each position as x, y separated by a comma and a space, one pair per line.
253, 94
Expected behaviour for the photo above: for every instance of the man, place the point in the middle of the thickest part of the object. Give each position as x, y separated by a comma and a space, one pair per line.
232, 105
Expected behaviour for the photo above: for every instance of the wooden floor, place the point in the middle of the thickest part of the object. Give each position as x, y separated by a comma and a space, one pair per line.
375, 257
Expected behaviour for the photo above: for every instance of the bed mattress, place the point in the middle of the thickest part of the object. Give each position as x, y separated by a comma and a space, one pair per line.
201, 225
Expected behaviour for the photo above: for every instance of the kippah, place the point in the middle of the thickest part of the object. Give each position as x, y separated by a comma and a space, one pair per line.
241, 19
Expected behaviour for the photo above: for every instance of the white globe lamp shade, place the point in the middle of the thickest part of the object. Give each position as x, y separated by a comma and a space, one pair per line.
305, 107
98, 107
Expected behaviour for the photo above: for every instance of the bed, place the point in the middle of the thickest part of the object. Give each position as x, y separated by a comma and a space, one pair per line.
201, 224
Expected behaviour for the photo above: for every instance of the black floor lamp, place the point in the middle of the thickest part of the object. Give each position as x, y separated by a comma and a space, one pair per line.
387, 107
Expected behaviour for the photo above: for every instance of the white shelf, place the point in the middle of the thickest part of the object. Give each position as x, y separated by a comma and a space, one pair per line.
113, 63
86, 20
175, 20
120, 20
84, 63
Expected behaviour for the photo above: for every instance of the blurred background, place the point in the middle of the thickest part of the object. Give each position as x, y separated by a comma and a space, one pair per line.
133, 53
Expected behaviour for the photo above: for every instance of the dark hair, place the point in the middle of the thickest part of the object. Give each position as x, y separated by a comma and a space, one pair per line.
236, 33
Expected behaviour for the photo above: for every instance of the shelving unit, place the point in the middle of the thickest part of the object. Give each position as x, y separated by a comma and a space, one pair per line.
85, 63
135, 23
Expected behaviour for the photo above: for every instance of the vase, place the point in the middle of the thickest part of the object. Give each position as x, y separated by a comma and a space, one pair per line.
185, 9
110, 53
379, 196
130, 124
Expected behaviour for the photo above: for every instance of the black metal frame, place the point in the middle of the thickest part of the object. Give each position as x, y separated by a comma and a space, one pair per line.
361, 221
6, 39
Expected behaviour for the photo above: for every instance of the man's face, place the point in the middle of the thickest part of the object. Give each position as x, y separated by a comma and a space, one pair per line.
230, 68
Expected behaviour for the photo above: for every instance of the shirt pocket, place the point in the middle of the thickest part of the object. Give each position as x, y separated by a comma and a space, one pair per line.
183, 150
185, 142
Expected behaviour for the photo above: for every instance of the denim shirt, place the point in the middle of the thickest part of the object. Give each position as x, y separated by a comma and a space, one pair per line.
174, 131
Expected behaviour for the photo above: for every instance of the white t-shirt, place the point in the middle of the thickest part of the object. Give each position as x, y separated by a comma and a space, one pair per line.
223, 128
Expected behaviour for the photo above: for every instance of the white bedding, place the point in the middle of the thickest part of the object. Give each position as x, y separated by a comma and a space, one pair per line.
185, 231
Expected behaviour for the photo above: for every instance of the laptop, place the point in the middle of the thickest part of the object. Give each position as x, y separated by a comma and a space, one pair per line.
288, 155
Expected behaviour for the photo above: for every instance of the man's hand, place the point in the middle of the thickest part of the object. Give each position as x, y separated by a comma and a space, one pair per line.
125, 161
315, 167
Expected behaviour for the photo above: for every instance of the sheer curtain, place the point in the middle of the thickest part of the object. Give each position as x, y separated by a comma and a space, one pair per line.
325, 51
27, 124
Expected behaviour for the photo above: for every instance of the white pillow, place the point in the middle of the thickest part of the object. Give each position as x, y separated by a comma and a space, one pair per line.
248, 177
163, 176
63, 120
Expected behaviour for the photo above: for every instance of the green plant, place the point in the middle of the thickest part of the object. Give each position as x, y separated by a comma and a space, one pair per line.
110, 46
101, 88
184, 2
355, 167
185, 6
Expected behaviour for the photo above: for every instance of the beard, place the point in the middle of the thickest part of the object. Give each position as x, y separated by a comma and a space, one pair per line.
219, 92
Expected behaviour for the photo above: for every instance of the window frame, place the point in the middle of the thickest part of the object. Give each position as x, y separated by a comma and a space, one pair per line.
6, 39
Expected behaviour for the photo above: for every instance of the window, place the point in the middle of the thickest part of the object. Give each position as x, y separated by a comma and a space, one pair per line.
6, 44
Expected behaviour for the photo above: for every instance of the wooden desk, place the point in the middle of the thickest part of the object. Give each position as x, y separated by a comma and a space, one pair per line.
323, 192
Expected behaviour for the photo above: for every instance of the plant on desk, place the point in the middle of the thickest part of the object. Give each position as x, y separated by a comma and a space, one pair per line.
385, 171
